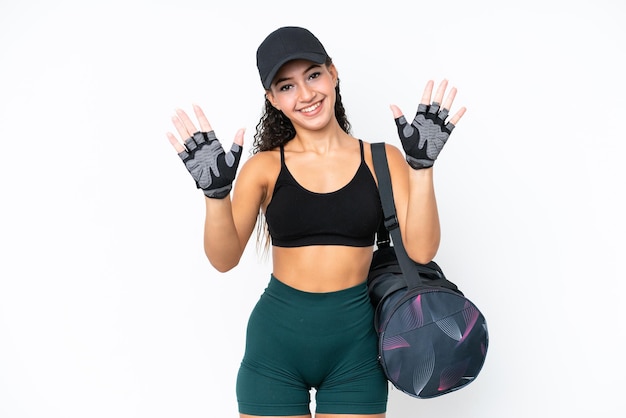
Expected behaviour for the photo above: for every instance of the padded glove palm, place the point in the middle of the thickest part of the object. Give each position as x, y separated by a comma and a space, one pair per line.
210, 166
424, 138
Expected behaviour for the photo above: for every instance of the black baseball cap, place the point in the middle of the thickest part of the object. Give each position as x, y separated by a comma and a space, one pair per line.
286, 44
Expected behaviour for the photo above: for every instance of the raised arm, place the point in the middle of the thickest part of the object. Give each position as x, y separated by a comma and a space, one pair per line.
422, 140
213, 170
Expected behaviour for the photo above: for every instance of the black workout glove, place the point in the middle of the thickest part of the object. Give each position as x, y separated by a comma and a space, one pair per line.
424, 138
213, 169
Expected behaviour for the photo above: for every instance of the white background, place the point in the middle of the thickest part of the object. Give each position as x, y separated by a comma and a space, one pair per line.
108, 307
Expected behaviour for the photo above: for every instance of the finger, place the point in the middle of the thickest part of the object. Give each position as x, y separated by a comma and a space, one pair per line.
440, 92
458, 115
205, 126
450, 99
180, 128
428, 91
189, 126
239, 137
396, 111
177, 145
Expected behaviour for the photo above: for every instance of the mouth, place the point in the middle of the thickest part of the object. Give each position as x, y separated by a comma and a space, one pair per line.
311, 108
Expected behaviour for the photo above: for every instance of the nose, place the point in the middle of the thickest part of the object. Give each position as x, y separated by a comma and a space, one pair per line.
306, 93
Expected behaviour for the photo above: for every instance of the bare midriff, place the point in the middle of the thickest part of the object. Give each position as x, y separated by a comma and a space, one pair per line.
321, 268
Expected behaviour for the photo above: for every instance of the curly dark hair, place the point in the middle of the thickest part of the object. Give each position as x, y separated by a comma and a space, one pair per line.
275, 129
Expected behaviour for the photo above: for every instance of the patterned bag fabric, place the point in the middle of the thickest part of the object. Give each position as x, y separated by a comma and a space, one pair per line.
432, 339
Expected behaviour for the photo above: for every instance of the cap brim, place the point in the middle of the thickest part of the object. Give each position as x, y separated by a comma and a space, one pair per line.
310, 56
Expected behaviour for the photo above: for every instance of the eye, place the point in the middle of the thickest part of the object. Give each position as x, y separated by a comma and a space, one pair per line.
314, 75
285, 87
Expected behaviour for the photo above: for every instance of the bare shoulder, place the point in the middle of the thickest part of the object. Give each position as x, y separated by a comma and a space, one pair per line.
394, 153
259, 172
398, 169
395, 160
261, 163
395, 157
391, 150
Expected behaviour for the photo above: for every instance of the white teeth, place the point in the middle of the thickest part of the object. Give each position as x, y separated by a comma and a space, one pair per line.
310, 108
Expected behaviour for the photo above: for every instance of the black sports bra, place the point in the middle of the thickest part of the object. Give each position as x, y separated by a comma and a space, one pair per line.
350, 216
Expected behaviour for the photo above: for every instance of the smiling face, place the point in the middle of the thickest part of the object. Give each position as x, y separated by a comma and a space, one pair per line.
305, 93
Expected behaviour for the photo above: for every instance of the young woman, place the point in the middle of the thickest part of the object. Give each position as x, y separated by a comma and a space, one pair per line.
315, 185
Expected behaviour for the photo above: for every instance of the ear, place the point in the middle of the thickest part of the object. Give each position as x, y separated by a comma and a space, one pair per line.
270, 97
334, 73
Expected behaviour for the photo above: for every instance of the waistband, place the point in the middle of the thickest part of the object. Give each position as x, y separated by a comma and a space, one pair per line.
280, 289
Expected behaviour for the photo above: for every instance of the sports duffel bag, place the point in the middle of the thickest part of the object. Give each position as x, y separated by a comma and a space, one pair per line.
432, 339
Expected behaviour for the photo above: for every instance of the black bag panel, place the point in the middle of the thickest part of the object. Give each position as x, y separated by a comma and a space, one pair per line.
385, 263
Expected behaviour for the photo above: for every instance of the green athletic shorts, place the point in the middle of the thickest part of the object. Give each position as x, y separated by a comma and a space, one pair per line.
299, 340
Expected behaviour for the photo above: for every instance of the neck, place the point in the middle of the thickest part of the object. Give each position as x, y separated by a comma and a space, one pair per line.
321, 140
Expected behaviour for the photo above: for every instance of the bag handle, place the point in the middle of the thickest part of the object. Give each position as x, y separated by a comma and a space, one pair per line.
390, 222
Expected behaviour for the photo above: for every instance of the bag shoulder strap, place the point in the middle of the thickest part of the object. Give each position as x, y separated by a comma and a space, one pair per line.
410, 269
381, 167
390, 221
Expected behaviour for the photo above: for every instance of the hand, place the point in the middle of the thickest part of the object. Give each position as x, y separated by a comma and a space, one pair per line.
424, 138
210, 166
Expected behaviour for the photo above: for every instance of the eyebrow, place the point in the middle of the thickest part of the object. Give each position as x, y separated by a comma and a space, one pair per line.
280, 80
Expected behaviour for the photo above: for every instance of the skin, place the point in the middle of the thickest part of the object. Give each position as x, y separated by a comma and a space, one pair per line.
322, 158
